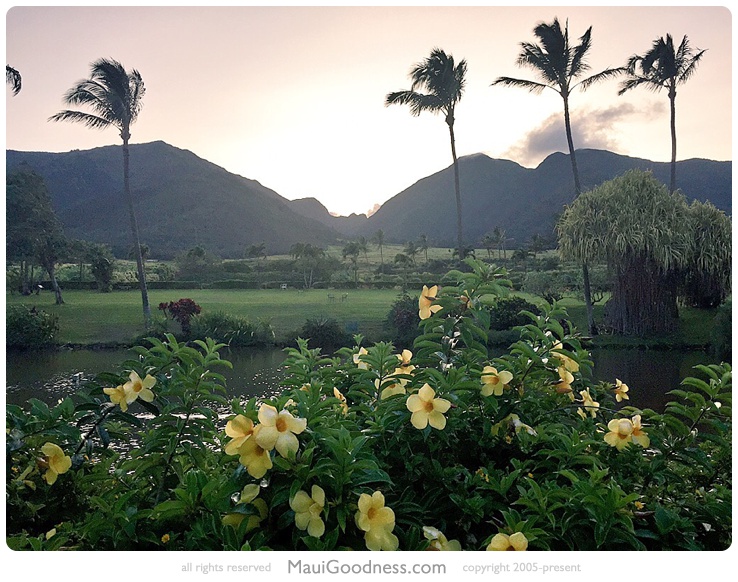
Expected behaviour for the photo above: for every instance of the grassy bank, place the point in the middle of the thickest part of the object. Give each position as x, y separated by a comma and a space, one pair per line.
90, 317
100, 318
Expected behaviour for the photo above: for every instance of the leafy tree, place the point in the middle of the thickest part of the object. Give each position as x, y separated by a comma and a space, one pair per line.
102, 266
309, 258
663, 66
256, 251
411, 250
442, 82
536, 244
559, 66
144, 250
488, 242
33, 232
647, 237
115, 97
13, 78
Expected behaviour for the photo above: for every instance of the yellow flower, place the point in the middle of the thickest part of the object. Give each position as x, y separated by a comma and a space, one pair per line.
239, 428
568, 363
512, 423
639, 437
588, 405
494, 382
427, 409
117, 396
621, 431
308, 510
165, 538
137, 388
504, 543
362, 365
57, 462
278, 430
393, 389
639, 505
438, 541
405, 358
342, 398
564, 384
620, 391
248, 495
425, 303
254, 457
377, 521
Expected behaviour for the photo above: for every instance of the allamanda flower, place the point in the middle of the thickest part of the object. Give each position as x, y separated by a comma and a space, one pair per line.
427, 409
248, 496
620, 435
639, 436
342, 399
117, 396
361, 364
138, 388
504, 543
254, 457
563, 386
377, 521
438, 541
393, 389
308, 511
588, 405
621, 390
405, 358
568, 363
56, 462
239, 428
278, 429
494, 382
425, 302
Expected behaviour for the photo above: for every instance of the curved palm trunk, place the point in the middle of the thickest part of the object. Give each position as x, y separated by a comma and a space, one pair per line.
578, 189
459, 234
672, 106
134, 232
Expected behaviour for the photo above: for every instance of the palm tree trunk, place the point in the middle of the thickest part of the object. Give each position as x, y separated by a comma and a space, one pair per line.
578, 190
459, 234
672, 106
134, 232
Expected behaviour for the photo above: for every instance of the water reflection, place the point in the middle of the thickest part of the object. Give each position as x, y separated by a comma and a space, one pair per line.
49, 376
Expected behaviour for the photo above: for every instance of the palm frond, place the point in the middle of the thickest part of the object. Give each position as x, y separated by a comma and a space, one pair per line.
531, 86
92, 121
13, 78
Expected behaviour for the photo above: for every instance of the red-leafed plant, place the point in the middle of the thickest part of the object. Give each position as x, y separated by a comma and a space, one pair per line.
181, 311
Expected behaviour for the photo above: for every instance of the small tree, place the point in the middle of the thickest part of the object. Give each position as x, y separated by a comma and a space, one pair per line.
102, 266
182, 311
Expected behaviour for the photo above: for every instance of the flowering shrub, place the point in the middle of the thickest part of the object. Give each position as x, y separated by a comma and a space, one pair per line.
438, 448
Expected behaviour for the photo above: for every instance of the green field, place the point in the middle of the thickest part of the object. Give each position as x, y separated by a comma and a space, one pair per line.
89, 317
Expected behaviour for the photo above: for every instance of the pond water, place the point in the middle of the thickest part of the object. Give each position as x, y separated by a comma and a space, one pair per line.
52, 375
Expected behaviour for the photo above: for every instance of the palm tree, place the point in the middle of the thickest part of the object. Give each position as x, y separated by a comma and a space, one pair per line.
663, 67
13, 78
559, 66
378, 239
423, 245
114, 96
442, 82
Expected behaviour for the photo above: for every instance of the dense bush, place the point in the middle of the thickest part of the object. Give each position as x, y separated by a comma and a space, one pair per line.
507, 312
232, 330
325, 333
28, 327
721, 336
402, 321
442, 449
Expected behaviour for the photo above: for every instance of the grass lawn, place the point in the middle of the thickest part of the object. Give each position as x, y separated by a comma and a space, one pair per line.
88, 317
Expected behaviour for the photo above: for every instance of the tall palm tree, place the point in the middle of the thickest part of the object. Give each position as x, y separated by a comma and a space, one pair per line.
442, 82
559, 66
114, 96
13, 78
663, 67
378, 239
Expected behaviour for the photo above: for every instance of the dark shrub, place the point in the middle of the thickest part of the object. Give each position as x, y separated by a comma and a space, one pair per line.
721, 337
182, 311
232, 330
325, 333
506, 312
27, 327
402, 321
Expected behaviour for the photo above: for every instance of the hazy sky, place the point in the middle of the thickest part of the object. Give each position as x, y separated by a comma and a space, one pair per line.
294, 96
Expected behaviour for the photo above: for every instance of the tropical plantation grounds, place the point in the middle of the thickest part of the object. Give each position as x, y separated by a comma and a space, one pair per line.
424, 443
